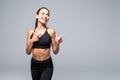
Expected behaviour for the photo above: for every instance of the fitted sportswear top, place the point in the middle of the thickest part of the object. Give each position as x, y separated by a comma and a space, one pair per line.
43, 42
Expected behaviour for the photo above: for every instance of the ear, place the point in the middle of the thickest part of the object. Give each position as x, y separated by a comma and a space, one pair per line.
36, 16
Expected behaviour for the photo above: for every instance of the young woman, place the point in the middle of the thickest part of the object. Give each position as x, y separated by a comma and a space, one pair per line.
39, 42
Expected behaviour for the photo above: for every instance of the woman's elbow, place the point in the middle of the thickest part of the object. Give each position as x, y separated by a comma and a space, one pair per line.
28, 52
55, 51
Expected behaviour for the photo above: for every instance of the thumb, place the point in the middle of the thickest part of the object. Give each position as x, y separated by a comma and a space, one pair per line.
61, 35
56, 35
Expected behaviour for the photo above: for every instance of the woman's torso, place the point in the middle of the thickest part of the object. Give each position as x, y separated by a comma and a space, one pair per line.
41, 48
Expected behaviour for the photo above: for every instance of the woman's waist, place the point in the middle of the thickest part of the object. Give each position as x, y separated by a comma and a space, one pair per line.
39, 54
41, 61
41, 58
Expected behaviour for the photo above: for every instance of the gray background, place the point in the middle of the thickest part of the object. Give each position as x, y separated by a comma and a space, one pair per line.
90, 48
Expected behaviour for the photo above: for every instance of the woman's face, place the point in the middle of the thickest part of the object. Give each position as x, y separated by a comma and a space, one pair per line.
43, 16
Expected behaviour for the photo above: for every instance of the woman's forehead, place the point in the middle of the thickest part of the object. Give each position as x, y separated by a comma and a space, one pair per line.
44, 10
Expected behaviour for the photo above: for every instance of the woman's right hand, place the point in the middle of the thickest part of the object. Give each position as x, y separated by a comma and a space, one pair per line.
35, 37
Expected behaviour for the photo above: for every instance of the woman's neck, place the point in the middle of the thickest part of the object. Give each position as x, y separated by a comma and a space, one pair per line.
41, 26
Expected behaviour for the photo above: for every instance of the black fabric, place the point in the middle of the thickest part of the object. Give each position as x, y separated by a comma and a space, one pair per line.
41, 70
44, 41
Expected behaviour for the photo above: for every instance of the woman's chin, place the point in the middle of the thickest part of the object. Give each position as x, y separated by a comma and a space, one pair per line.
43, 22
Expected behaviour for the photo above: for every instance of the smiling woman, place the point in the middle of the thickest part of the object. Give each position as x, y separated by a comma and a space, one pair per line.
39, 42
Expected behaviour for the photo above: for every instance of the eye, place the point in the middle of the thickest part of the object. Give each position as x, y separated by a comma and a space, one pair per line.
47, 14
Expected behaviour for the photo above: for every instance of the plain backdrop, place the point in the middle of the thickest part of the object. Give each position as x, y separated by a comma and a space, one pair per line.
91, 42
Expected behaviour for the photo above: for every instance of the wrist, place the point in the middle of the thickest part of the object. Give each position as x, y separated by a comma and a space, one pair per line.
58, 43
31, 41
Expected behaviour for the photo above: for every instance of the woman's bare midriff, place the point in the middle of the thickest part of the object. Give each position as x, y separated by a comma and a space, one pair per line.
41, 54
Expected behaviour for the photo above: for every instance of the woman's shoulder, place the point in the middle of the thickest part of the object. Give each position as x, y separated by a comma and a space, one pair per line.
30, 31
51, 30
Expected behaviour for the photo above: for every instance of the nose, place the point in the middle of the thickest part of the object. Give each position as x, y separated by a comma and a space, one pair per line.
45, 15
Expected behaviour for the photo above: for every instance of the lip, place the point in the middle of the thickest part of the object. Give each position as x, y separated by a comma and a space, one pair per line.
44, 19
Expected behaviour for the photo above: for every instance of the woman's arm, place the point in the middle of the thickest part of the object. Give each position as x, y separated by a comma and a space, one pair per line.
29, 42
56, 40
31, 39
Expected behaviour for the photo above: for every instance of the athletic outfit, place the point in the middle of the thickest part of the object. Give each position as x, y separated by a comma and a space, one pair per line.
42, 70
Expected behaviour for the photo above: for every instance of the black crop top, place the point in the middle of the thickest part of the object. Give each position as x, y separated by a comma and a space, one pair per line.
44, 41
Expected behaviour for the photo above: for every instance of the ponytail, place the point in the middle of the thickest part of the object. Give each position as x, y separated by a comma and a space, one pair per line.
36, 23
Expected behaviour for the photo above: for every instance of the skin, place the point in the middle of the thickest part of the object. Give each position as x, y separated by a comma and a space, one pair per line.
38, 53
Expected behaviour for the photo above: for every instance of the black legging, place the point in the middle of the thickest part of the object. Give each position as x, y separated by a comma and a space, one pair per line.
41, 70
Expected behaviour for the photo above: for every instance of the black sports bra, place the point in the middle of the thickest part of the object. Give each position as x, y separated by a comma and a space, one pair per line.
44, 41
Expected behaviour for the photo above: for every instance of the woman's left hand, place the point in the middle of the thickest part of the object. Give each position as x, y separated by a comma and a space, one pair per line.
59, 38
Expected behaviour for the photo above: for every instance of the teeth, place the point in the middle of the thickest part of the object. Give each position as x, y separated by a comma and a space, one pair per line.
44, 18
